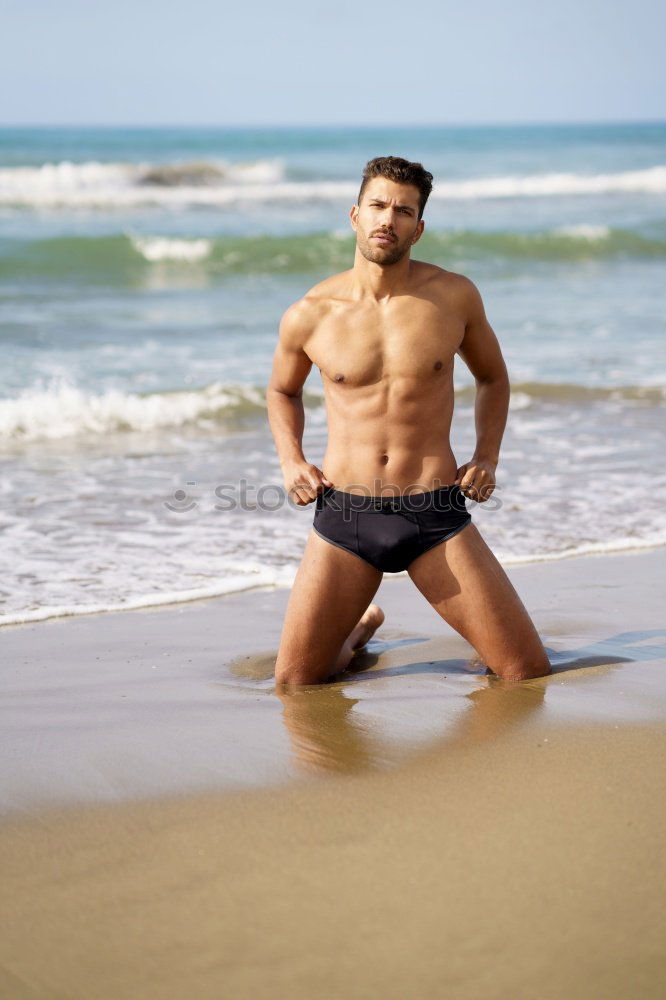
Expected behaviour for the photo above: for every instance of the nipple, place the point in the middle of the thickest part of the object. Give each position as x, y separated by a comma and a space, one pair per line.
339, 378
438, 365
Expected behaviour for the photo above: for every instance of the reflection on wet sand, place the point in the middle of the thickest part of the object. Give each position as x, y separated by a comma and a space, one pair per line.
326, 736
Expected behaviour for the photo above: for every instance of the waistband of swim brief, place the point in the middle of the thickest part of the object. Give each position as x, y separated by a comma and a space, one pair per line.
448, 497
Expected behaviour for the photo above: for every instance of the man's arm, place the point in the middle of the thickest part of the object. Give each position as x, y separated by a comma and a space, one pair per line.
284, 395
480, 350
284, 398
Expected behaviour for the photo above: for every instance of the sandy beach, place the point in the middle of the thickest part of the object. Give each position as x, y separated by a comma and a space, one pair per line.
413, 829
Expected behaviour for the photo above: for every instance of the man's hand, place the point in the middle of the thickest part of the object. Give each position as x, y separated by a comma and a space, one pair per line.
303, 481
477, 479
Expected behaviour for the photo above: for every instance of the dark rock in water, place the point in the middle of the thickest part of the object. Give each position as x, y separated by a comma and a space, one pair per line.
177, 174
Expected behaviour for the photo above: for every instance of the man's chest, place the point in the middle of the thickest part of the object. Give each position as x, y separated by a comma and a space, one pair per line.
359, 346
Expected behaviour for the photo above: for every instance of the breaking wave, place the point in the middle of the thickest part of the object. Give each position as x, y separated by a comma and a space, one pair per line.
95, 185
62, 410
121, 257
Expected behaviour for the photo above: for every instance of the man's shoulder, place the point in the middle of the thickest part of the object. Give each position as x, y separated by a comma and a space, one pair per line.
326, 291
300, 319
439, 278
451, 291
303, 315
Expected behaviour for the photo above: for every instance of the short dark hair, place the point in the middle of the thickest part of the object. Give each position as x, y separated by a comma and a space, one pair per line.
394, 168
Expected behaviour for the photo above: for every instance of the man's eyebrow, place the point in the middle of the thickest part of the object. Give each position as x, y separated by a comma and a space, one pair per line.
382, 202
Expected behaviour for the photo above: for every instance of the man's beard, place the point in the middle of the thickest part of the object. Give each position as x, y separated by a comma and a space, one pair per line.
382, 255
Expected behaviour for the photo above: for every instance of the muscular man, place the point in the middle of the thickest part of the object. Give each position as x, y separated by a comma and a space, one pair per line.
390, 495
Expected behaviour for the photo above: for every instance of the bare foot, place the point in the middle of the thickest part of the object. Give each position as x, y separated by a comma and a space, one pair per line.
368, 624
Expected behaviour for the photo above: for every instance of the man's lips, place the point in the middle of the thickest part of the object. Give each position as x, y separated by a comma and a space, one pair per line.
383, 238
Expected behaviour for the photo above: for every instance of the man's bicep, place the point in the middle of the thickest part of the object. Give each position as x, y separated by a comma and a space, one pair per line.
291, 364
291, 368
479, 348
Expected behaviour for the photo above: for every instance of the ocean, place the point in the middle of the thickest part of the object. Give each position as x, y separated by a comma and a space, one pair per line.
143, 273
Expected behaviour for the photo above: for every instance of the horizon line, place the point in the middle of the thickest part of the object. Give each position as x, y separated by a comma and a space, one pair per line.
508, 123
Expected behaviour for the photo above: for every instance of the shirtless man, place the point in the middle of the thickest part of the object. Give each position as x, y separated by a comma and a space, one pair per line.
391, 495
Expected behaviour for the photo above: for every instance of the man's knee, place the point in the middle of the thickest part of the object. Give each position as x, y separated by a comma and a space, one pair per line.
526, 669
296, 675
289, 678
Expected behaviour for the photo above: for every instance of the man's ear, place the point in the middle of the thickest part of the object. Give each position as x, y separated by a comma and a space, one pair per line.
353, 215
419, 232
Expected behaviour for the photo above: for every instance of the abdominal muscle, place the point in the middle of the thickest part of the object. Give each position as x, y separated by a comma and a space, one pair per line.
388, 456
353, 474
390, 439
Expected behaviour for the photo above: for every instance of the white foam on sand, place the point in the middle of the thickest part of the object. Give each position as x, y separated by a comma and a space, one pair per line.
250, 578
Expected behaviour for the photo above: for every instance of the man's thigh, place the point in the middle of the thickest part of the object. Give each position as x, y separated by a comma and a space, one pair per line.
331, 591
468, 587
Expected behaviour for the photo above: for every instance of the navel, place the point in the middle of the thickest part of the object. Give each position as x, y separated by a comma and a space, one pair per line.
438, 365
384, 459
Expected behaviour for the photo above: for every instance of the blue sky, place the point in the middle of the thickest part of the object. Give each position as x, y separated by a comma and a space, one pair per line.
314, 62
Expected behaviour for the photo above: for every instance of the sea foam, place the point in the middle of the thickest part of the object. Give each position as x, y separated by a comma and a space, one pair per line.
156, 248
126, 185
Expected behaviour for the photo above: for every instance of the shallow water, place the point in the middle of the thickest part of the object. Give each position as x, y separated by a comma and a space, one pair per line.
142, 277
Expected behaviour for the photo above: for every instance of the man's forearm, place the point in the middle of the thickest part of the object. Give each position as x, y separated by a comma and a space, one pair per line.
286, 417
490, 413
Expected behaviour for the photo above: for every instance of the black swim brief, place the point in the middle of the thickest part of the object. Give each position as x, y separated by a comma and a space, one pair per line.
389, 533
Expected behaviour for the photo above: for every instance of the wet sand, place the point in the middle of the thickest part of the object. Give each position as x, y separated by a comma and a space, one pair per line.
416, 829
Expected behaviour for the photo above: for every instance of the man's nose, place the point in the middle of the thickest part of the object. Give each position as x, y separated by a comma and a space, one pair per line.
387, 215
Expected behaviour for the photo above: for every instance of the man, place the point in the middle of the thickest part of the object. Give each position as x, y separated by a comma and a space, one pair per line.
390, 495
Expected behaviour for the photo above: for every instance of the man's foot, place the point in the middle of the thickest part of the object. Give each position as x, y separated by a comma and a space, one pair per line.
368, 624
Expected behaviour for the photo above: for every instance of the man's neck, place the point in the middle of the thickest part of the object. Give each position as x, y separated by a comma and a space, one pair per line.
380, 282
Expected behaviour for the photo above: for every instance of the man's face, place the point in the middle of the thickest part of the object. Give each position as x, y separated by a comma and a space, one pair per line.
391, 211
